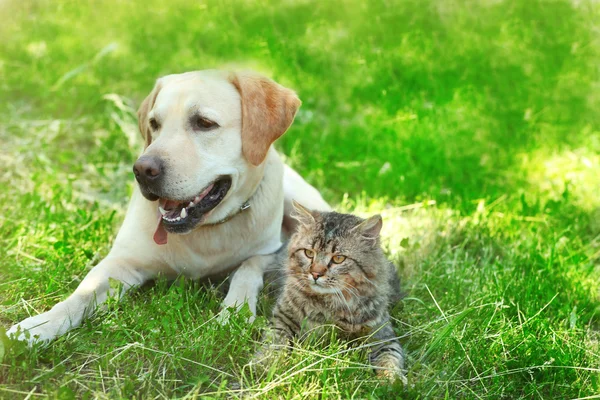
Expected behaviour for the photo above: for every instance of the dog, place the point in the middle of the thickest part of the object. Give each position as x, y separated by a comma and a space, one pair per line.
212, 194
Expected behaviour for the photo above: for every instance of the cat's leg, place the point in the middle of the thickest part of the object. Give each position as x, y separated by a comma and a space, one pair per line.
278, 337
286, 322
387, 356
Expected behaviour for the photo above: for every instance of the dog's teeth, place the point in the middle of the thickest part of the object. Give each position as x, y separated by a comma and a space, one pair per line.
162, 210
197, 199
191, 204
183, 213
178, 219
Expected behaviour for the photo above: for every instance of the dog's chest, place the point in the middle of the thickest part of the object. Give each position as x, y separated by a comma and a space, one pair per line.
199, 255
206, 259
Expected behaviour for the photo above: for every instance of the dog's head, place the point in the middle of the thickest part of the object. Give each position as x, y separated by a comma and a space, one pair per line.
207, 134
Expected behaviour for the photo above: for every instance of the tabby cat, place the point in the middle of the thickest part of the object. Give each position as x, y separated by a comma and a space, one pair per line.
336, 273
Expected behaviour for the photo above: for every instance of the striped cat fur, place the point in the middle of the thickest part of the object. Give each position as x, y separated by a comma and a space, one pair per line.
337, 273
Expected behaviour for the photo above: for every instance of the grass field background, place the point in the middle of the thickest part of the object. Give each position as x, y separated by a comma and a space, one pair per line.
472, 126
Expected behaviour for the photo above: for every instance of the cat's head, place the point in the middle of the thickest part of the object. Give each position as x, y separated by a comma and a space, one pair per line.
336, 253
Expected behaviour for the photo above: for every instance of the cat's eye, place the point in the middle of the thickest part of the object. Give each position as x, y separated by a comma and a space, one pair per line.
338, 259
309, 253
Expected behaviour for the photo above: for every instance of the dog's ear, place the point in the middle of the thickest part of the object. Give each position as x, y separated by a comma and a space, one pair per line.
268, 110
143, 111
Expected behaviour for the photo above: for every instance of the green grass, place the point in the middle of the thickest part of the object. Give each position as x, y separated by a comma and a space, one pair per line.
473, 126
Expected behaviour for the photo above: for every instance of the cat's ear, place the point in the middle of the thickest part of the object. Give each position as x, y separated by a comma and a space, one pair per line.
302, 214
370, 228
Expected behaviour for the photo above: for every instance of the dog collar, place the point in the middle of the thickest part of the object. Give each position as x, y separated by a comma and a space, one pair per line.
242, 208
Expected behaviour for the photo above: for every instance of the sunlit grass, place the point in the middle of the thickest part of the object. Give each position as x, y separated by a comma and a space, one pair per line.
472, 127
573, 173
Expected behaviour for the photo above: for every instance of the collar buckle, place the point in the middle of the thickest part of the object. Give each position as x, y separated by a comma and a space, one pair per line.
245, 206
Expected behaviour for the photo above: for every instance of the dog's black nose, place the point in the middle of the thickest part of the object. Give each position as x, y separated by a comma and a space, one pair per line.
147, 169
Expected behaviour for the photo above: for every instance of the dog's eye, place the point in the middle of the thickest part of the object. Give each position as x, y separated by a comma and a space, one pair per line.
309, 253
338, 259
204, 124
154, 124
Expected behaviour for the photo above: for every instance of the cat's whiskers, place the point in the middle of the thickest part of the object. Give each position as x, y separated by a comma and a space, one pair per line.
351, 288
353, 291
296, 284
368, 280
340, 296
287, 276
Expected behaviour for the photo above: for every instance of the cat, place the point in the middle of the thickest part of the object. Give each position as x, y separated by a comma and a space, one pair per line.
337, 273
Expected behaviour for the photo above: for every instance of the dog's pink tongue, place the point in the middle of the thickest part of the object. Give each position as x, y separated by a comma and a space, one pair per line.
160, 236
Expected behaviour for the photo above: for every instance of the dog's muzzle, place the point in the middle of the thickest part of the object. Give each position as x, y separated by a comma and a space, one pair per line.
148, 171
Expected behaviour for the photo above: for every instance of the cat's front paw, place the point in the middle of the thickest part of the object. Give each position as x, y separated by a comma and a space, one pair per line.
390, 368
392, 375
270, 353
265, 356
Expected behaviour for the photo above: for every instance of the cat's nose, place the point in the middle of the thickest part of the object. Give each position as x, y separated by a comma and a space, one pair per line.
316, 275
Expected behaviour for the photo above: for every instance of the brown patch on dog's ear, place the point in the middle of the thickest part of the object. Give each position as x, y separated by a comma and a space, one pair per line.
268, 110
143, 111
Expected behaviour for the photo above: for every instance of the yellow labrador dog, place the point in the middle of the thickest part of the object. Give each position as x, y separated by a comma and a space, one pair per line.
212, 194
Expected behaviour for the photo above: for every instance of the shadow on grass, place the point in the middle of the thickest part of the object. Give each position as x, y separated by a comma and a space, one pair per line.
403, 101
423, 101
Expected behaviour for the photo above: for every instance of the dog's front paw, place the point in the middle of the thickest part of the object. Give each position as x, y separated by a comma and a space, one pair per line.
37, 329
224, 316
234, 302
226, 313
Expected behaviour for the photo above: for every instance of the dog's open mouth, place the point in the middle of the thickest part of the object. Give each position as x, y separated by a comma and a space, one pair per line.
182, 216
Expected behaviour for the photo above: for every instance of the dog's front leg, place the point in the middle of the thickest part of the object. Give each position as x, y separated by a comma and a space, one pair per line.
246, 283
68, 314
